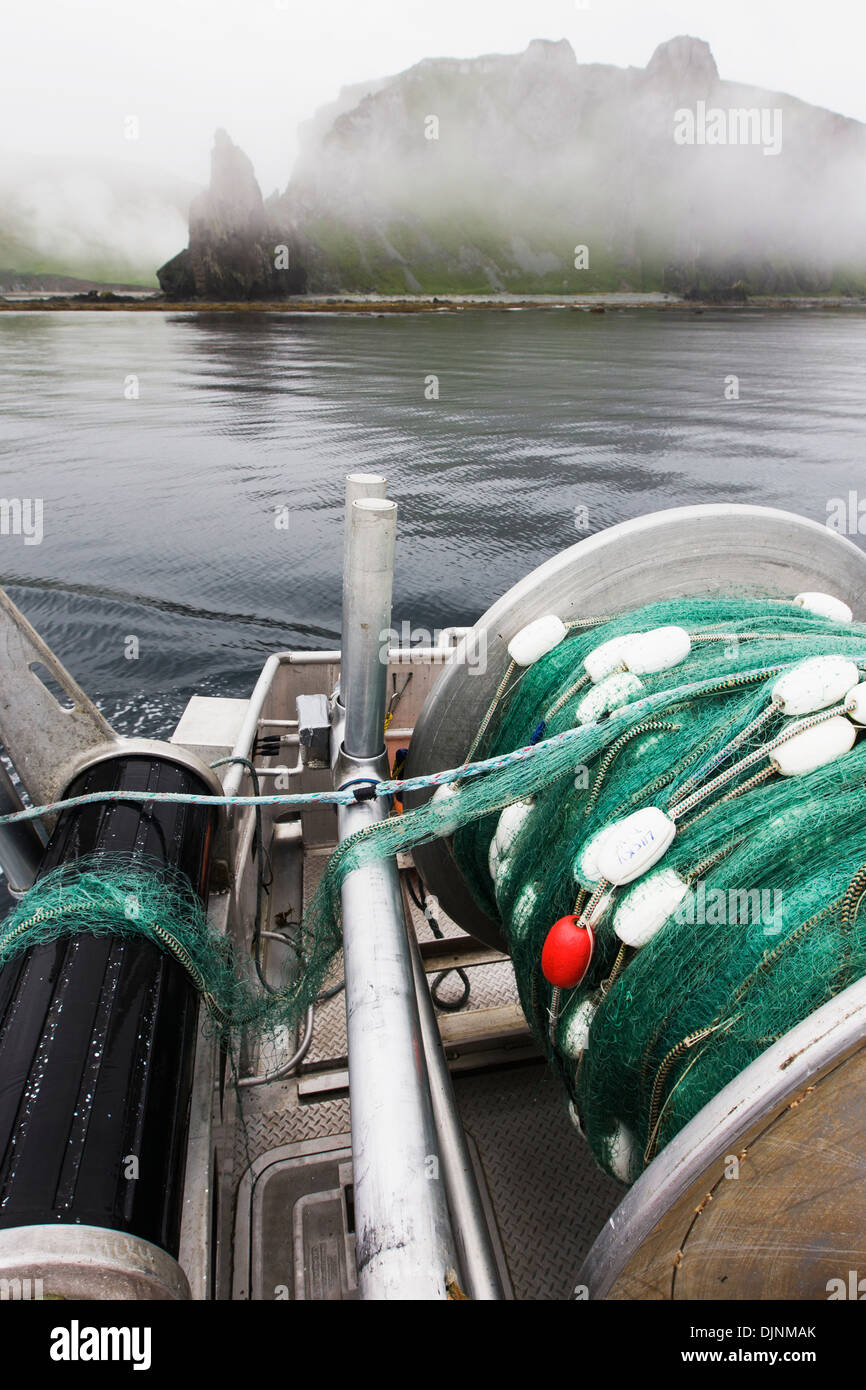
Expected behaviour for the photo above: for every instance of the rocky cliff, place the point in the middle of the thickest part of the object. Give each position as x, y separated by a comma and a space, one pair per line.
239, 248
535, 173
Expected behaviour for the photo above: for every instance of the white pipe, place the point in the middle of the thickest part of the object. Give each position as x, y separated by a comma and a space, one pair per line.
367, 622
471, 1232
358, 486
404, 1244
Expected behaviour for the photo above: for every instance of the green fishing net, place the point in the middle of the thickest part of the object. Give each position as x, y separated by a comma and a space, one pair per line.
112, 895
768, 930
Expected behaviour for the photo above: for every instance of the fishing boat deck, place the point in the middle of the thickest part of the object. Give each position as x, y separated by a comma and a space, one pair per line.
268, 1199
545, 1200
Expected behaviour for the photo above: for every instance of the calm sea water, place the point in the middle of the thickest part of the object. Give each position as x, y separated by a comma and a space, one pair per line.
159, 511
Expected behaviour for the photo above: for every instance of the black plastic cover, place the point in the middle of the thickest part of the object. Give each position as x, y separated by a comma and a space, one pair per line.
97, 1034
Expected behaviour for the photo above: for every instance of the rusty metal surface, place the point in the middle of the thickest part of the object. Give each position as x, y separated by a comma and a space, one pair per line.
793, 1125
782, 1216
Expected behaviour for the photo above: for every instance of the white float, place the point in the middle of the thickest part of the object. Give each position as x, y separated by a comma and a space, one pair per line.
644, 911
825, 606
511, 822
535, 640
523, 909
814, 747
448, 793
815, 684
658, 650
586, 870
614, 691
602, 661
621, 1153
575, 1035
634, 844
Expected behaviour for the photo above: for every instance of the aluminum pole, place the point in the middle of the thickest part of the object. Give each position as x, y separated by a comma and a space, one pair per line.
471, 1231
358, 486
404, 1244
367, 621
21, 845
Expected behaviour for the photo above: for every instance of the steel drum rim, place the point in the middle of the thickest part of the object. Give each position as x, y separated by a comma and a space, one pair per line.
761, 1091
156, 749
782, 552
91, 1263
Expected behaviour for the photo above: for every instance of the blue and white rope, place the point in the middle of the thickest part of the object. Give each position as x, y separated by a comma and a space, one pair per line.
346, 796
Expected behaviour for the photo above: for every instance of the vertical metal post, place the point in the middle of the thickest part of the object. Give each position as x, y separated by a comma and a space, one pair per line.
471, 1232
358, 486
404, 1243
21, 845
366, 622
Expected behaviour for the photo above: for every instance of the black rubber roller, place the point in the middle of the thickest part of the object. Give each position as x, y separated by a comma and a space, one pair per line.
97, 1034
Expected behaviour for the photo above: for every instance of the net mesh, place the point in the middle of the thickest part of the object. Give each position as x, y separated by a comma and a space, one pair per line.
111, 895
768, 930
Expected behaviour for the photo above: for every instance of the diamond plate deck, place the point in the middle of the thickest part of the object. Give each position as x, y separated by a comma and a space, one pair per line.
549, 1198
490, 984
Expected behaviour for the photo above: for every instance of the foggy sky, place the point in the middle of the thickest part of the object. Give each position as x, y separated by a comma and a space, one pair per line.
74, 72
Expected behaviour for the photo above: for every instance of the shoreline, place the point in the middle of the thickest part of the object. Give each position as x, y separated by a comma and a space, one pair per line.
380, 305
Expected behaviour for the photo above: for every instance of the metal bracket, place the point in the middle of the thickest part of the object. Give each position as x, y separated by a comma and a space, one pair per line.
41, 736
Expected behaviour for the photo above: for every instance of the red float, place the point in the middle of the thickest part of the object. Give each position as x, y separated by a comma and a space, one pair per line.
567, 952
